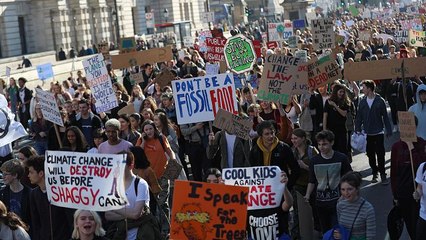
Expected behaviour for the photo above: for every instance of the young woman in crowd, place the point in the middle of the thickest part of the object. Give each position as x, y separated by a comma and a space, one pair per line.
150, 103
354, 212
157, 93
11, 94
135, 121
11, 226
164, 125
147, 114
119, 87
99, 137
137, 97
60, 95
269, 111
39, 130
68, 88
213, 175
127, 132
303, 152
334, 118
293, 110
74, 140
87, 226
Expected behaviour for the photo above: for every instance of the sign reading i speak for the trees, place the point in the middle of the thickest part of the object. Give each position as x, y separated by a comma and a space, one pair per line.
239, 54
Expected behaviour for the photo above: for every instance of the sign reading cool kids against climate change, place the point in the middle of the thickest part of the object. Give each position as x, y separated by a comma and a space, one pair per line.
199, 99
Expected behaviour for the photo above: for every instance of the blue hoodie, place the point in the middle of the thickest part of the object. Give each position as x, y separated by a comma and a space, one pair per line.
419, 110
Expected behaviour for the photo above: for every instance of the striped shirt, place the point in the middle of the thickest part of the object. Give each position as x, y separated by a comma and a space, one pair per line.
365, 223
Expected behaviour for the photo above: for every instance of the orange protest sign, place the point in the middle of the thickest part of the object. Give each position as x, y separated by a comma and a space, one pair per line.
208, 211
141, 57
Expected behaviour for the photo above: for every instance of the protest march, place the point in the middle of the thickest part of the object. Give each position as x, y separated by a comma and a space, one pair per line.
272, 129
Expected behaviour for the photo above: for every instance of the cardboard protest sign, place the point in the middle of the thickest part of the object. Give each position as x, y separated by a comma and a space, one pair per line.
215, 49
136, 77
264, 199
323, 71
323, 33
233, 124
417, 38
239, 54
100, 83
208, 211
127, 45
282, 76
280, 31
384, 69
129, 109
141, 57
212, 68
85, 181
49, 107
164, 77
45, 71
407, 126
199, 99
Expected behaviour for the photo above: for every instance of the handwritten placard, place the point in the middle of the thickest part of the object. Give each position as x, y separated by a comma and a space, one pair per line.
323, 71
208, 211
100, 83
136, 77
417, 38
233, 124
49, 107
323, 34
282, 76
215, 47
212, 68
199, 99
85, 181
164, 77
407, 126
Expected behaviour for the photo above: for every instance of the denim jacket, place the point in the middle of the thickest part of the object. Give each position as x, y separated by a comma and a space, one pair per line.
372, 119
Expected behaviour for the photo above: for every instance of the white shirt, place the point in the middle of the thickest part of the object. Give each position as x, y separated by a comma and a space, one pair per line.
143, 195
230, 141
421, 179
370, 101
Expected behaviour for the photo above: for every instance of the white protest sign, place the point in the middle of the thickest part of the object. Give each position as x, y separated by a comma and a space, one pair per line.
199, 99
212, 68
100, 83
49, 107
85, 181
208, 17
202, 40
302, 54
45, 71
280, 31
323, 34
188, 41
265, 187
8, 70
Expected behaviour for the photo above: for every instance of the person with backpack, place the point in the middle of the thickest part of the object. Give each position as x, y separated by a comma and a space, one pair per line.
132, 215
158, 152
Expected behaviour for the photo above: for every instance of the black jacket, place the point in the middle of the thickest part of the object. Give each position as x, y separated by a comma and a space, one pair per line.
282, 156
25, 202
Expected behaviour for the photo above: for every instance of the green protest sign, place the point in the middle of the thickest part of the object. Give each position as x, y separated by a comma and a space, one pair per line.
239, 54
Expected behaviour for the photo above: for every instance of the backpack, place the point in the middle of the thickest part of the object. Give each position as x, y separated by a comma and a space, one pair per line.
149, 228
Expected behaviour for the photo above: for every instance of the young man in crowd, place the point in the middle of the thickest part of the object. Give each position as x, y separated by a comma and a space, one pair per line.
325, 172
114, 144
86, 121
372, 116
47, 221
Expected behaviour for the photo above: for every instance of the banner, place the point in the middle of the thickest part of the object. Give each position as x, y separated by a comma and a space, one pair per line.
208, 211
45, 71
323, 33
280, 31
282, 76
417, 38
199, 99
141, 57
264, 198
323, 71
100, 83
85, 181
233, 124
215, 48
299, 24
212, 68
384, 69
49, 107
407, 126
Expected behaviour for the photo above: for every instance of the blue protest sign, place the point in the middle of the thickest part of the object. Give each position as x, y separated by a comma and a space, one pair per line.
45, 71
300, 23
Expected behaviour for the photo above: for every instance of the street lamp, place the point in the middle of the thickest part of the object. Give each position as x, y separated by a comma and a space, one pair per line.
166, 14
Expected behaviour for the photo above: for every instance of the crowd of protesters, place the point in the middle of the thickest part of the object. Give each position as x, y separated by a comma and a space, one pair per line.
307, 137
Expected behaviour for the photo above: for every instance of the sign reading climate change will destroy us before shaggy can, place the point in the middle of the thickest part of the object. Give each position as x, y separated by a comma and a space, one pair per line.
239, 54
85, 181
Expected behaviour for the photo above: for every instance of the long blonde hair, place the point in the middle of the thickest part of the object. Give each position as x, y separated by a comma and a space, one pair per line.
99, 231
